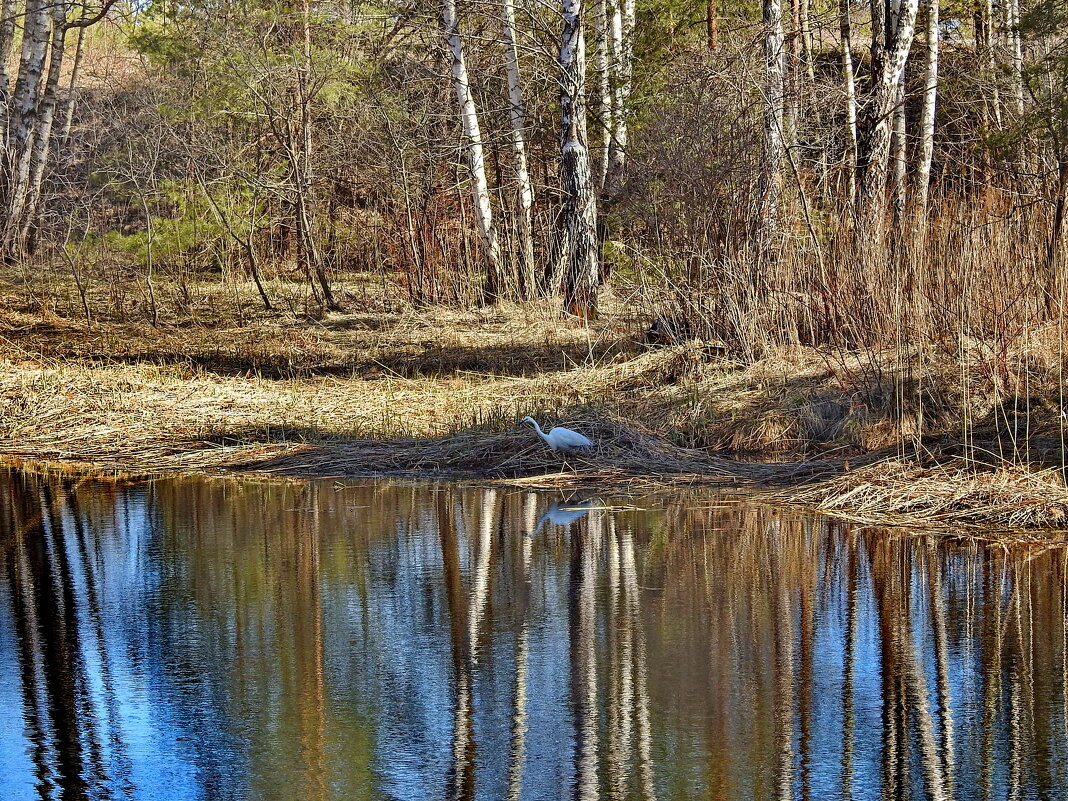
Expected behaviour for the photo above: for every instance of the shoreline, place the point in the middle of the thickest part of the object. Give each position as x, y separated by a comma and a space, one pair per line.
436, 394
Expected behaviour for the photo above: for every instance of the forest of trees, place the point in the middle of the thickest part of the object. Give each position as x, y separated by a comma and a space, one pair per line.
811, 173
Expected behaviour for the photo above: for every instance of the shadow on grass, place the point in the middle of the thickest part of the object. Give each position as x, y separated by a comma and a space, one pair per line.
407, 360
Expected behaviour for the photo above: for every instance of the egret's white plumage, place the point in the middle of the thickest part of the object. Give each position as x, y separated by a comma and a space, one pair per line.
561, 439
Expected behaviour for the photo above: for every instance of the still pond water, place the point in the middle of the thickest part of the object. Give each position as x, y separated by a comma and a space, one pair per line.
226, 639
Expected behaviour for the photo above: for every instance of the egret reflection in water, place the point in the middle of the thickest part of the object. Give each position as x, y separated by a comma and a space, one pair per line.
226, 639
563, 513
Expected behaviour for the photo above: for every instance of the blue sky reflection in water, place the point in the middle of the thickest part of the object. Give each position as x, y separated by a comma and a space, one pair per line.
229, 639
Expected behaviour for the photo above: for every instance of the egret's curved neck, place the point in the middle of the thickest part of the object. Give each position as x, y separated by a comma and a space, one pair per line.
537, 428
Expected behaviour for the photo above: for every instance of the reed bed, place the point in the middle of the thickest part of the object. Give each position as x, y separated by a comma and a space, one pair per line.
946, 496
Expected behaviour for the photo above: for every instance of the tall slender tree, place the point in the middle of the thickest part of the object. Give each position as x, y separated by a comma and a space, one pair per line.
769, 222
885, 98
621, 72
517, 115
8, 13
850, 92
927, 120
476, 160
579, 249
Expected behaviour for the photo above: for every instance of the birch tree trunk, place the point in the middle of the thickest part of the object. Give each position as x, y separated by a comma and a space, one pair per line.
622, 72
22, 120
46, 113
72, 88
8, 11
878, 36
605, 98
849, 86
1051, 260
1012, 25
518, 117
927, 122
768, 224
792, 78
877, 142
579, 247
897, 139
992, 94
475, 153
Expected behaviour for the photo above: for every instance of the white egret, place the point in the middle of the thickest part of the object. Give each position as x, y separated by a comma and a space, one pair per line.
561, 439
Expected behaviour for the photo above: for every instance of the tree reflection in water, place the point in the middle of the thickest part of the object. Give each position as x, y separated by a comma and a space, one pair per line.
238, 639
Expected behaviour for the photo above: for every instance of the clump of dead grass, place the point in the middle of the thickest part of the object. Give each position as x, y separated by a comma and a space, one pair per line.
621, 451
953, 496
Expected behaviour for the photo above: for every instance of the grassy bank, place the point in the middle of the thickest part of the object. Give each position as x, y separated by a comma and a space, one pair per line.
391, 389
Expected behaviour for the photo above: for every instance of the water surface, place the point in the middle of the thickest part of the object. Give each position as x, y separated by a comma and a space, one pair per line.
227, 639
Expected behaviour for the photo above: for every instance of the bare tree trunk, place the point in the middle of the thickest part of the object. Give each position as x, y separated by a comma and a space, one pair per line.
302, 164
712, 23
518, 116
475, 154
72, 88
579, 219
792, 79
992, 94
878, 36
927, 123
849, 84
46, 112
22, 111
604, 67
1012, 25
877, 141
897, 139
1053, 244
768, 224
8, 11
898, 144
806, 40
621, 30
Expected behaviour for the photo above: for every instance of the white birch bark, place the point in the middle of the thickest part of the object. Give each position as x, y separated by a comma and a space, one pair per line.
604, 62
991, 76
774, 149
927, 117
897, 149
8, 11
897, 139
849, 86
476, 159
579, 246
72, 87
878, 35
35, 40
877, 150
621, 30
46, 113
1012, 25
22, 119
518, 117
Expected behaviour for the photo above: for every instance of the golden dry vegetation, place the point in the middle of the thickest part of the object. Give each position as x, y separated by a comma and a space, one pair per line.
388, 388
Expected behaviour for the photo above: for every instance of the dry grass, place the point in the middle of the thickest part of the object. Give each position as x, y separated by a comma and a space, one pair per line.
161, 419
902, 492
393, 390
